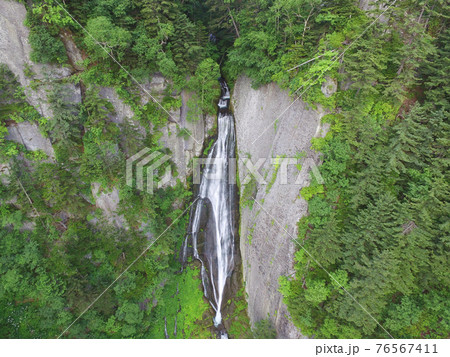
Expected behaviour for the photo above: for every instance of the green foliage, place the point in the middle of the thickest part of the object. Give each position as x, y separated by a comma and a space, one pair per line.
378, 225
60, 188
109, 39
277, 165
372, 228
239, 321
101, 160
255, 53
46, 48
248, 193
434, 70
309, 191
53, 236
68, 262
51, 13
39, 302
13, 105
43, 22
14, 109
371, 225
181, 308
65, 126
205, 86
264, 330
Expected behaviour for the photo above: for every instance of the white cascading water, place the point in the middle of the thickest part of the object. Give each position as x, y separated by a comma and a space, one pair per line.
212, 218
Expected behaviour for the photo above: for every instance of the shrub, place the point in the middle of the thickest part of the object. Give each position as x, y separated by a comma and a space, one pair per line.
45, 47
264, 330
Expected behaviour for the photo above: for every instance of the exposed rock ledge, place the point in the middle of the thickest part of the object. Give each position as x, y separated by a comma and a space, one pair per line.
28, 135
15, 53
267, 251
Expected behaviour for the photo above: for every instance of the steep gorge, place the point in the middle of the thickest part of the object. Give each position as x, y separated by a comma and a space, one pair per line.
266, 252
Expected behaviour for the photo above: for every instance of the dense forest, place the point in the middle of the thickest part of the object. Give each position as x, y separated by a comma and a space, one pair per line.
379, 225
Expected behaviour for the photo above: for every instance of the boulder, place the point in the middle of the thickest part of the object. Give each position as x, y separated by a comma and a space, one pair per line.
108, 202
29, 135
122, 111
329, 87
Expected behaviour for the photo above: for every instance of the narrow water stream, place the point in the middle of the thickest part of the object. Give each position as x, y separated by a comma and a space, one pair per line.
212, 226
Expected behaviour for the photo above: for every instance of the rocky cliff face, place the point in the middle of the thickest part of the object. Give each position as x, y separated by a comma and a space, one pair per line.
184, 149
267, 250
28, 135
37, 79
15, 53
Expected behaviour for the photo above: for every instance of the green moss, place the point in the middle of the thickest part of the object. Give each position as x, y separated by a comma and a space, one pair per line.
182, 299
248, 194
264, 330
274, 172
208, 147
239, 321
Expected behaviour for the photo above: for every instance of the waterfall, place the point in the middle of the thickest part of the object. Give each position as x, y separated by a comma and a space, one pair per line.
212, 221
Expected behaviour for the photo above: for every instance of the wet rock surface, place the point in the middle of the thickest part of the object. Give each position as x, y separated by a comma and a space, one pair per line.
212, 233
267, 250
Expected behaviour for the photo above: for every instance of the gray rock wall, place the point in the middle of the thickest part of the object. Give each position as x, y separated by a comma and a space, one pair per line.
108, 202
370, 5
267, 251
28, 135
184, 149
15, 53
